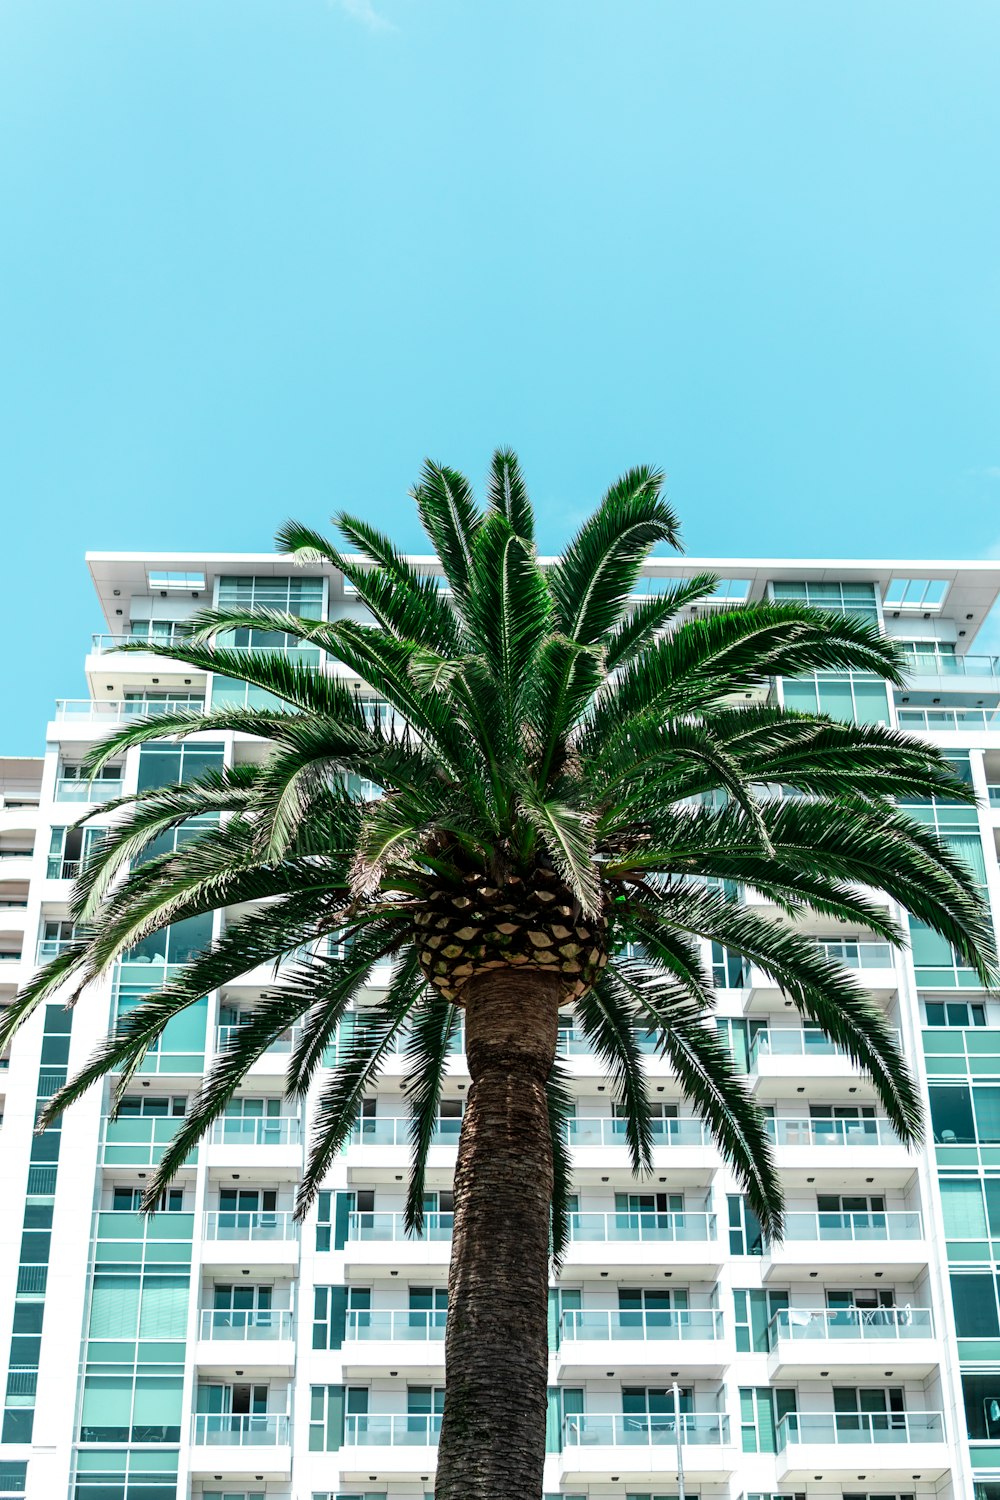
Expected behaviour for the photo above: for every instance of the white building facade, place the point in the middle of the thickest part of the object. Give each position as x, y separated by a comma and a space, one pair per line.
220, 1351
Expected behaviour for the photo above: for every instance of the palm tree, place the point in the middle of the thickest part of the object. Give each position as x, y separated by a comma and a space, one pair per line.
572, 786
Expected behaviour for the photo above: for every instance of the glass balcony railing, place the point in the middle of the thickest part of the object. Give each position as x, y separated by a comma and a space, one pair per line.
861, 1427
948, 719
672, 1323
659, 1227
394, 1130
610, 1132
698, 1429
62, 869
82, 789
857, 955
234, 1324
389, 1226
237, 1430
795, 1041
172, 632
902, 1225
837, 1132
283, 1045
412, 1325
876, 1324
232, 1224
266, 1130
379, 1430
49, 948
129, 708
919, 664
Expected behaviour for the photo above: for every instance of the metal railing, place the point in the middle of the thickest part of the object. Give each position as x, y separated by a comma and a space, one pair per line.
234, 1324
876, 1324
62, 869
117, 709
412, 1325
650, 1323
244, 1430
861, 1427
612, 1132
390, 1226
234, 1224
803, 1131
625, 1226
379, 1430
698, 1429
262, 1130
897, 1225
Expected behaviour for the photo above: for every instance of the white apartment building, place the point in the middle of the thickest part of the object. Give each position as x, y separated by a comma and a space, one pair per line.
217, 1350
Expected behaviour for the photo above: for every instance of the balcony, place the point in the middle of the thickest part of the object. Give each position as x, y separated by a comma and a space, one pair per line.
237, 1444
837, 1243
372, 1342
82, 789
268, 1241
642, 1342
806, 1131
259, 1340
948, 720
273, 1062
781, 1057
864, 1142
686, 1243
849, 1341
373, 1241
84, 710
889, 1446
598, 1447
49, 948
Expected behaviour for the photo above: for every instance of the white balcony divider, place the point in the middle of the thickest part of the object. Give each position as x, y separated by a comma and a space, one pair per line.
226, 1224
389, 1226
805, 1131
896, 1225
698, 1429
263, 1130
379, 1430
235, 1324
654, 1323
851, 1428
412, 1325
625, 1226
873, 1323
241, 1430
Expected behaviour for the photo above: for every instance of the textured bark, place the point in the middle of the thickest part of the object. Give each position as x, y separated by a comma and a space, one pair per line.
496, 1351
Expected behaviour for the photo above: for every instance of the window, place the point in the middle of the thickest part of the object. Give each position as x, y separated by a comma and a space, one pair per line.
176, 944
130, 1407
935, 657
169, 764
936, 965
754, 1311
982, 1405
116, 1474
174, 838
331, 1306
295, 595
175, 582
152, 1104
730, 970
856, 599
954, 1013
974, 1298
912, 594
963, 1116
328, 1406
855, 697
70, 849
761, 1410
129, 1200
745, 1234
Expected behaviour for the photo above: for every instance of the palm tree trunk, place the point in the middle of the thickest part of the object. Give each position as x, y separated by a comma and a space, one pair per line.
496, 1351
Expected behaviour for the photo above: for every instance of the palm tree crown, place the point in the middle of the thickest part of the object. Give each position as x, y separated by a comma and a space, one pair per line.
568, 783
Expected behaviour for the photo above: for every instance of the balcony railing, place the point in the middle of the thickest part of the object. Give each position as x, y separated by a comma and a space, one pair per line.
264, 1130
413, 1325
854, 1226
948, 719
282, 1045
233, 1324
662, 1227
378, 1430
51, 948
857, 955
394, 1130
232, 1430
698, 1429
861, 1427
117, 709
176, 633
794, 1041
653, 1323
82, 789
920, 665
611, 1132
389, 1226
836, 1132
232, 1224
876, 1324
140, 1140
994, 795
62, 869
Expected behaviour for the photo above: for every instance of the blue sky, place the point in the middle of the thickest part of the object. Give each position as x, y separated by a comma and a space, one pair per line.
259, 257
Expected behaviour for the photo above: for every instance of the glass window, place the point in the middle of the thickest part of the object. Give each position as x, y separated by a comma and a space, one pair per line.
856, 599
916, 593
175, 582
951, 1114
168, 764
973, 1294
854, 697
962, 1206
